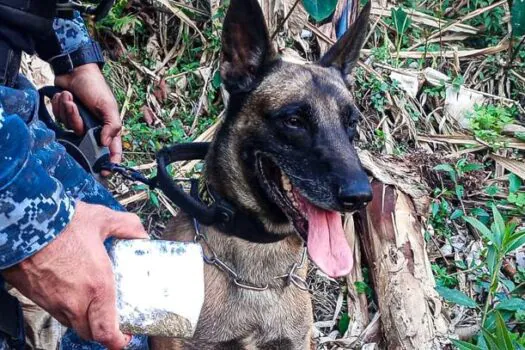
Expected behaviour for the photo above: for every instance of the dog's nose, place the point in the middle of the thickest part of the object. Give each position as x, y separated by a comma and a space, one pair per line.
355, 195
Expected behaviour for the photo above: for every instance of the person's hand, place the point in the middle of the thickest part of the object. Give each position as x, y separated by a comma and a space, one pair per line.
88, 84
72, 277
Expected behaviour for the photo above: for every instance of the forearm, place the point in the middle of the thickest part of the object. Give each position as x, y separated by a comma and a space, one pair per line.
34, 209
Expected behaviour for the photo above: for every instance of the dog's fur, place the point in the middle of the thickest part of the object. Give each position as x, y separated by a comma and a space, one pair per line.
303, 119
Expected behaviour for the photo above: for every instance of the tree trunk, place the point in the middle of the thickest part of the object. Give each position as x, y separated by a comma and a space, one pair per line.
394, 247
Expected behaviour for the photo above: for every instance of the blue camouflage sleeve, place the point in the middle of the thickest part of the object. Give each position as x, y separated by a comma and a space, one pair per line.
71, 33
34, 208
67, 36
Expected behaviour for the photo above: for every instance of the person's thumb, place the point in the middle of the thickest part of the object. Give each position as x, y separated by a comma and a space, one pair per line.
125, 226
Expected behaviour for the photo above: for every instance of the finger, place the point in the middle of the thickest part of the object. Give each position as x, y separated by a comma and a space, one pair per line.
63, 98
55, 104
125, 226
112, 124
115, 150
103, 321
73, 117
115, 153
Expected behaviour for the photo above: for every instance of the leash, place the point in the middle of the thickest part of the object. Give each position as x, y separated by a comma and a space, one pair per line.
88, 151
94, 158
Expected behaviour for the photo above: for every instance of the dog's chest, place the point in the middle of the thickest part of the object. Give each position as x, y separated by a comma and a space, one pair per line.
231, 312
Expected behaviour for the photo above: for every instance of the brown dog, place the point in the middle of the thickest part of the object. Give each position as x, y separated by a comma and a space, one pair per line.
284, 156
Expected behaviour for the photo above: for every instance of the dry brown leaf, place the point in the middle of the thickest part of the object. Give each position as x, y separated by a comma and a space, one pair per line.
512, 165
149, 115
161, 90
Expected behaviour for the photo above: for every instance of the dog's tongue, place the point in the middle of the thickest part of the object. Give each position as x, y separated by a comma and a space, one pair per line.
327, 244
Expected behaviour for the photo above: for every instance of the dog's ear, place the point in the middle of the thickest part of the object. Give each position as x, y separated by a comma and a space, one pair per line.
345, 53
246, 47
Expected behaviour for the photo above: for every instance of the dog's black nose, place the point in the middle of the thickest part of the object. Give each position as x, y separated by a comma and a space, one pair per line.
355, 195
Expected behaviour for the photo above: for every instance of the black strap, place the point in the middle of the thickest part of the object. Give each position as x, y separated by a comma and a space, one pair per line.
11, 320
221, 214
90, 52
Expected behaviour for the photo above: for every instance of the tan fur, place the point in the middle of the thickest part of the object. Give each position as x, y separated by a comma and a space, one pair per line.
250, 318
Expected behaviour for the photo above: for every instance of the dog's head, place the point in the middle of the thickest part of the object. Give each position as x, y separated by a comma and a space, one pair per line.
285, 150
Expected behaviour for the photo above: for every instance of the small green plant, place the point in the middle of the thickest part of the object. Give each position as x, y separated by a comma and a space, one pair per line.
501, 238
498, 339
487, 122
458, 170
443, 277
401, 22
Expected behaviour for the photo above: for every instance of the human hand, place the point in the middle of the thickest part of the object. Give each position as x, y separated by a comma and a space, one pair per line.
72, 277
88, 84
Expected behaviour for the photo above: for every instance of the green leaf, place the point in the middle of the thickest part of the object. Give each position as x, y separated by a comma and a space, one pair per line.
154, 199
499, 225
456, 214
492, 259
503, 334
463, 345
216, 81
492, 190
320, 9
518, 17
401, 20
344, 322
517, 241
471, 167
514, 183
512, 304
478, 225
456, 297
490, 340
448, 168
460, 191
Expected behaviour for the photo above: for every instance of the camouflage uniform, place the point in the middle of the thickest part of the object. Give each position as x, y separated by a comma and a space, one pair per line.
39, 181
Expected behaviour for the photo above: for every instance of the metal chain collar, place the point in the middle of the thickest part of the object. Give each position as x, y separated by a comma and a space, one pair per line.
291, 277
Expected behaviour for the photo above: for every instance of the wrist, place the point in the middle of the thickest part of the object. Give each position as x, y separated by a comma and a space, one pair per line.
87, 53
66, 81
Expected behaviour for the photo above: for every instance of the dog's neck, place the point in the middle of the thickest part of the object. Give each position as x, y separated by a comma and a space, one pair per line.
257, 263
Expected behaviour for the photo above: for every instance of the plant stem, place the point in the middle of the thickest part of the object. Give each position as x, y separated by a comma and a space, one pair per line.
281, 24
492, 288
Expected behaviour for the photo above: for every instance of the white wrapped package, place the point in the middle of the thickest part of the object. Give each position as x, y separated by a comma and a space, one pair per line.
160, 286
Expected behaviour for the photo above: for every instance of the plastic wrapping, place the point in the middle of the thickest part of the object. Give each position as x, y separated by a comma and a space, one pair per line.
160, 286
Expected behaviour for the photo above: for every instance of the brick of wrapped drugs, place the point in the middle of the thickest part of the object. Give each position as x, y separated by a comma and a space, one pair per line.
160, 286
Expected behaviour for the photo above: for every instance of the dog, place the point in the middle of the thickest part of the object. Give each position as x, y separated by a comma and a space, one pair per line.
284, 156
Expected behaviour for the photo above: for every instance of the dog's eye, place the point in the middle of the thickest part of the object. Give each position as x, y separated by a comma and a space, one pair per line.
294, 122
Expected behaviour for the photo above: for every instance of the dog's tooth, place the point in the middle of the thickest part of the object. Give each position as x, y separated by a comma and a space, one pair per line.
286, 183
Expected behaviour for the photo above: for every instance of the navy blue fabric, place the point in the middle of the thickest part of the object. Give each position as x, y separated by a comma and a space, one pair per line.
39, 181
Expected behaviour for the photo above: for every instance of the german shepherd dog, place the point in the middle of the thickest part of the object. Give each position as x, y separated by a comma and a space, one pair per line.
284, 155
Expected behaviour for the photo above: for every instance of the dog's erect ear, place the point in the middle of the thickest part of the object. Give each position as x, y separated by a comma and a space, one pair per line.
345, 53
246, 46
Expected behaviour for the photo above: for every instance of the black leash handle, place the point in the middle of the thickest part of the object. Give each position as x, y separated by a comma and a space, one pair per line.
87, 150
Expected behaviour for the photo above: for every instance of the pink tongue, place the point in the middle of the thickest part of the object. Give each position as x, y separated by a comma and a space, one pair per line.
327, 244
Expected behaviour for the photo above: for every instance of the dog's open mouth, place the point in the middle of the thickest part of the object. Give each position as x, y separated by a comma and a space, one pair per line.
322, 229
